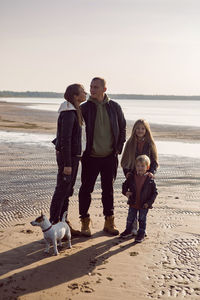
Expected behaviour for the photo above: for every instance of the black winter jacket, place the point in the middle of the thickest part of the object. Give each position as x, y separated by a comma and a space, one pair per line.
117, 121
147, 151
148, 191
68, 139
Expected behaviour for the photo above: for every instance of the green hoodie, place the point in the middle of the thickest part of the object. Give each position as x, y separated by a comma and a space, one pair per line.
103, 136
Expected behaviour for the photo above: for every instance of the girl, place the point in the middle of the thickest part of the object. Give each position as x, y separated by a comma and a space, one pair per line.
140, 142
68, 149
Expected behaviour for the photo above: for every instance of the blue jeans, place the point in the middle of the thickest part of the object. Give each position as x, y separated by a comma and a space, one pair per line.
132, 215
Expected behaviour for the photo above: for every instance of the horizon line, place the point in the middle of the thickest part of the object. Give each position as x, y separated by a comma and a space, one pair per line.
114, 94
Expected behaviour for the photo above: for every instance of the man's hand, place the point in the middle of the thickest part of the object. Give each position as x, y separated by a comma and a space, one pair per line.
67, 170
146, 205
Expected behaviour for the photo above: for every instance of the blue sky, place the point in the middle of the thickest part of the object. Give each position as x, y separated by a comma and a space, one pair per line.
138, 46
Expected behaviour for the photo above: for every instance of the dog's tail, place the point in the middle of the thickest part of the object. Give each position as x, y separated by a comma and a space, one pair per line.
64, 216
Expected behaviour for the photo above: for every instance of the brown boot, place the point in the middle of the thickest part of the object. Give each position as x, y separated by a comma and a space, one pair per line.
74, 232
109, 225
85, 229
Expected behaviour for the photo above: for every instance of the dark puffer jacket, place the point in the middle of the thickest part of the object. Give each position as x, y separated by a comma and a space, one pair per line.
148, 192
68, 139
117, 121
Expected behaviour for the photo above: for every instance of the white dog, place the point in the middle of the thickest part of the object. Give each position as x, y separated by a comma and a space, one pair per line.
53, 233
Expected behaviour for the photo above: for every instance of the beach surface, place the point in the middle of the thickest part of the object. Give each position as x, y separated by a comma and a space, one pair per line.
166, 265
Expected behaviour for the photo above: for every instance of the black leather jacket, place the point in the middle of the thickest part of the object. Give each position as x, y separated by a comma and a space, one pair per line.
117, 121
148, 192
68, 139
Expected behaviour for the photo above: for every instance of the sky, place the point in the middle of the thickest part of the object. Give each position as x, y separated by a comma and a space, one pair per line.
138, 46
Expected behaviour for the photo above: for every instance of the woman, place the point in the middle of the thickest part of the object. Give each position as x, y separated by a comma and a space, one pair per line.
68, 149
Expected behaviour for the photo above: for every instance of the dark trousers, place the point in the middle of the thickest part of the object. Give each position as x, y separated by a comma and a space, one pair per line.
91, 168
132, 215
64, 189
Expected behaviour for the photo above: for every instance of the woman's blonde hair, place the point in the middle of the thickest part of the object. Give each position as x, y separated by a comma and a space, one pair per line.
129, 154
71, 91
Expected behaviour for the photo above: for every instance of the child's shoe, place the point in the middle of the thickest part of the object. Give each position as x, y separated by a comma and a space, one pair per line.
140, 237
126, 233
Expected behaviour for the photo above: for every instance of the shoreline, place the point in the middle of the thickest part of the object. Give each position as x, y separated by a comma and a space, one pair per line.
14, 117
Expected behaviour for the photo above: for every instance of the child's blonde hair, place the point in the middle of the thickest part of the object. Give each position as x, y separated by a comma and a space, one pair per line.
128, 157
143, 159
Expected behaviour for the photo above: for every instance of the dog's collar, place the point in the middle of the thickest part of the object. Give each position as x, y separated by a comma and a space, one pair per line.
47, 229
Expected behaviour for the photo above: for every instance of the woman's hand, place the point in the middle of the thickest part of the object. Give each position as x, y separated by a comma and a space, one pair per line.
67, 170
150, 175
128, 194
128, 174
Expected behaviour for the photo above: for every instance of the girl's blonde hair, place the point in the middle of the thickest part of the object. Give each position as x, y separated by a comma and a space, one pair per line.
71, 91
128, 157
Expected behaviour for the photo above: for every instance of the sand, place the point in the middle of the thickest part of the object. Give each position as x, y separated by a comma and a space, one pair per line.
165, 266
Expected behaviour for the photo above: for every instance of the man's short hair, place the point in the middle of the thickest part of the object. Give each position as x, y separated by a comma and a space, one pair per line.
102, 80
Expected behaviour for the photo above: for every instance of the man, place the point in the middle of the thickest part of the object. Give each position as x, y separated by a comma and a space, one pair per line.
105, 136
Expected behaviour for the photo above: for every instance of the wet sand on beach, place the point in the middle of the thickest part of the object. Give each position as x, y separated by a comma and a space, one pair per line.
15, 117
165, 266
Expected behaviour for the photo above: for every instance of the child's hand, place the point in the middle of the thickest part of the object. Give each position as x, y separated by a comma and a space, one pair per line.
128, 194
146, 205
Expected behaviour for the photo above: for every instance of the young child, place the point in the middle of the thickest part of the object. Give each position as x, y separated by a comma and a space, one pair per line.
141, 192
140, 142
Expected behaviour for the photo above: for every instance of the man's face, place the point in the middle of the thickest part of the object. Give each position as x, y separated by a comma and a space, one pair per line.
97, 90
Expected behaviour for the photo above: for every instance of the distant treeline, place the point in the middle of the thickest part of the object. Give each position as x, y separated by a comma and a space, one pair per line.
153, 97
29, 94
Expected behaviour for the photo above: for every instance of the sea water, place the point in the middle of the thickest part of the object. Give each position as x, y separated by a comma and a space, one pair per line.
44, 140
170, 112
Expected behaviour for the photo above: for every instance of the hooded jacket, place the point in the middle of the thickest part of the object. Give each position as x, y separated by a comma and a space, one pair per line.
148, 192
117, 123
103, 135
68, 139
